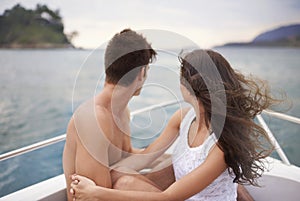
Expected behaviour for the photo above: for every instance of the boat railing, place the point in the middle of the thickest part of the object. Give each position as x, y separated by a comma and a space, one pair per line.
261, 120
62, 137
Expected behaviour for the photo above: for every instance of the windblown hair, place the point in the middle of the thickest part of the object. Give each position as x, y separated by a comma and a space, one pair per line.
243, 142
126, 53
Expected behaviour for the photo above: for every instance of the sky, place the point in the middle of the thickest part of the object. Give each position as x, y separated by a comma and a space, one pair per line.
207, 23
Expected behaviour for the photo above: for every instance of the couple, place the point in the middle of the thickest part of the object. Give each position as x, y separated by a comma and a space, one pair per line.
100, 163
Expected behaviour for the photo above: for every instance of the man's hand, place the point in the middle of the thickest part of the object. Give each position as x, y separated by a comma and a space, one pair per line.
82, 188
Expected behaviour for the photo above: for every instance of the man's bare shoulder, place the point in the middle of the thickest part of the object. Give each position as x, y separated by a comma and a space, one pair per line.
91, 124
90, 112
85, 108
103, 114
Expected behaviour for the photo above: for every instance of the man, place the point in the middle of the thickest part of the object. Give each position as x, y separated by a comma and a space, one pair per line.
98, 133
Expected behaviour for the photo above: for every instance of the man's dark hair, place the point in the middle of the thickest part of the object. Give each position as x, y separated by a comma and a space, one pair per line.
126, 53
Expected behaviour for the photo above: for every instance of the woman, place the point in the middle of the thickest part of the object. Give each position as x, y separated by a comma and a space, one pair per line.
224, 104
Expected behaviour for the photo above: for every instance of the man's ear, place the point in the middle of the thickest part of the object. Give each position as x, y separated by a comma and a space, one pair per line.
142, 73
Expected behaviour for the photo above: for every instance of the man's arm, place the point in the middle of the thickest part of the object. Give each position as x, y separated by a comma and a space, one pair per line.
94, 169
76, 159
69, 155
92, 145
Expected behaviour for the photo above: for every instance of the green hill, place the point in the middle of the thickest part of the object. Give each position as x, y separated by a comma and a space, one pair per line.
39, 28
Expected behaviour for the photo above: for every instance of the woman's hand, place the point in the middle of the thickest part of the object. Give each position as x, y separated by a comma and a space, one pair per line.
82, 188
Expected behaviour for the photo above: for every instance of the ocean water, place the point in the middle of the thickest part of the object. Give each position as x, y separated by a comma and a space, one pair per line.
39, 90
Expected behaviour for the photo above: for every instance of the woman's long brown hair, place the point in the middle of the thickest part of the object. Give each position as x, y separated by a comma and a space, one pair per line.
243, 142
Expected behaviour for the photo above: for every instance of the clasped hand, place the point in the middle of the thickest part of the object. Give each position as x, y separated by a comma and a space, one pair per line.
82, 188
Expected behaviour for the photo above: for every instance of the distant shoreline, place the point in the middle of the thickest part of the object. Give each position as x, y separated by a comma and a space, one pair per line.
284, 36
36, 46
256, 46
95, 49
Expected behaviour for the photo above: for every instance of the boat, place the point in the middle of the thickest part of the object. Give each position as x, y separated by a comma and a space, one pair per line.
281, 181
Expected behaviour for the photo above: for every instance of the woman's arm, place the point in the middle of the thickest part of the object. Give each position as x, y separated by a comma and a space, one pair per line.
182, 189
200, 178
157, 148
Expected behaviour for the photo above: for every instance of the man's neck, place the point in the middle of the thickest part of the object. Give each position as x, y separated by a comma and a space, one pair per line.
115, 97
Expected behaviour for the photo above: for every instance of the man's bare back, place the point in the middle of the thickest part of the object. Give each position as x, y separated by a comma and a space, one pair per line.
95, 140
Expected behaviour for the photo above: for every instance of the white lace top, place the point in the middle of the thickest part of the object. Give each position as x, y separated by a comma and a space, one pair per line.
186, 158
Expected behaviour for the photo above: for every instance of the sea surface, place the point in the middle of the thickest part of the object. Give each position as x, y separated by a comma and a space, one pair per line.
40, 89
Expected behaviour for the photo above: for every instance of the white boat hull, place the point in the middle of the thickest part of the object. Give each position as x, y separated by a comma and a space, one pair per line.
282, 182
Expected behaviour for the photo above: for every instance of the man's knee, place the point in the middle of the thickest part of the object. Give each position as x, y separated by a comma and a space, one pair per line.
124, 182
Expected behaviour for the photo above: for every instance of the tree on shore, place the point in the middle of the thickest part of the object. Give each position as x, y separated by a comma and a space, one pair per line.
26, 27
